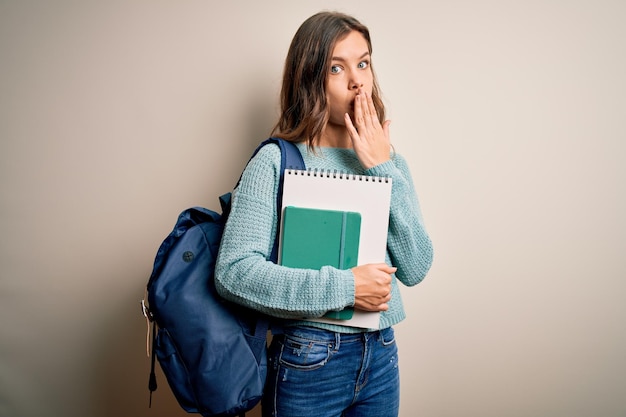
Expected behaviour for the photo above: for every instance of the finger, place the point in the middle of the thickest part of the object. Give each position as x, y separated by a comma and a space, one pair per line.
371, 107
371, 116
352, 131
363, 106
359, 111
388, 269
373, 307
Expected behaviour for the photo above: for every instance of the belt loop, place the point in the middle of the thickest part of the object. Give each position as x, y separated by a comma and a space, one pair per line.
375, 335
337, 340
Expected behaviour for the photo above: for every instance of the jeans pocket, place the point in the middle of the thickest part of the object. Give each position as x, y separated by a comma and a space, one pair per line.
304, 354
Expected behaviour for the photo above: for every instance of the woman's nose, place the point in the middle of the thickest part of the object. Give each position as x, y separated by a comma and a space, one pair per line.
355, 81
356, 86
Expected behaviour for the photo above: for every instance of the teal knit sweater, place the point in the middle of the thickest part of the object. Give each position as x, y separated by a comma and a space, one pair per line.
243, 274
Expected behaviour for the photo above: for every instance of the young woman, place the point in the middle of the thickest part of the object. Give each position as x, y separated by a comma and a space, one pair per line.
331, 107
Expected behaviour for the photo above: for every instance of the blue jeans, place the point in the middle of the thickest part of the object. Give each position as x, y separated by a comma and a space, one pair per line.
315, 372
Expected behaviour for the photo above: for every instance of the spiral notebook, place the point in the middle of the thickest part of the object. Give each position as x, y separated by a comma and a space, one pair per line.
368, 196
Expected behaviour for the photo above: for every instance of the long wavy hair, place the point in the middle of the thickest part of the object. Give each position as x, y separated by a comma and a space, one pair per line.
304, 106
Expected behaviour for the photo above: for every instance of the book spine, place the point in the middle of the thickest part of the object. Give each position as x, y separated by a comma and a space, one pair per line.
342, 244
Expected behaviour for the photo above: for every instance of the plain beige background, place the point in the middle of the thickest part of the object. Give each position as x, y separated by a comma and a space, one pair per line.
115, 116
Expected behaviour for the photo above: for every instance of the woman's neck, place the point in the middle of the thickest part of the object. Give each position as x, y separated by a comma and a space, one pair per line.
335, 136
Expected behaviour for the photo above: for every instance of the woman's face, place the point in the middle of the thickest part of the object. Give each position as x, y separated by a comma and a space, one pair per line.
349, 73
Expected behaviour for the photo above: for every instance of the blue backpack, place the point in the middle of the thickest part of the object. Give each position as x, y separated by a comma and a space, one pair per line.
212, 352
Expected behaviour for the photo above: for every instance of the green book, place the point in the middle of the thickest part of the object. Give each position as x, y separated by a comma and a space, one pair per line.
313, 238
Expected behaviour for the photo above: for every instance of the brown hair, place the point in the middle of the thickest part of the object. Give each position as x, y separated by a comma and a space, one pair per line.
304, 108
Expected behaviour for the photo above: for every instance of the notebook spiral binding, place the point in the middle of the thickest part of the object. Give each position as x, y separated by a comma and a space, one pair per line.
325, 173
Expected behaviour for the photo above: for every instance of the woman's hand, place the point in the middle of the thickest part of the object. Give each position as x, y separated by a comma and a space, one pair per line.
370, 139
372, 284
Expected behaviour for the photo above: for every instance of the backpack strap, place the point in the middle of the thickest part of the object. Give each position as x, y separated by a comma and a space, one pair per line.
290, 157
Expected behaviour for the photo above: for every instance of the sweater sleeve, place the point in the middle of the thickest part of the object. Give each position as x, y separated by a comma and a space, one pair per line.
243, 273
410, 248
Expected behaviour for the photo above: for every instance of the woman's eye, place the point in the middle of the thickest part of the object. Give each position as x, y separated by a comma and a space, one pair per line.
335, 69
363, 64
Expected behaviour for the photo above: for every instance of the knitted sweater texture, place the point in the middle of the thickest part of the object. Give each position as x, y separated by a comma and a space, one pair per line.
245, 276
